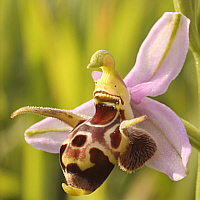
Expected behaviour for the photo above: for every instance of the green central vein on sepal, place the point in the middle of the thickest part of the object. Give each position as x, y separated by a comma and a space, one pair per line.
45, 130
173, 34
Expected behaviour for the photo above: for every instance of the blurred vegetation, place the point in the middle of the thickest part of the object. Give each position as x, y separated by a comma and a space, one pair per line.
45, 47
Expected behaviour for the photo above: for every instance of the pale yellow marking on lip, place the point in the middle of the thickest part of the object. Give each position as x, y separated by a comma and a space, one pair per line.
74, 191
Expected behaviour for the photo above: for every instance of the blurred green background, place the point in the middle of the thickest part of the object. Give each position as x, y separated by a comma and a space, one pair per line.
45, 47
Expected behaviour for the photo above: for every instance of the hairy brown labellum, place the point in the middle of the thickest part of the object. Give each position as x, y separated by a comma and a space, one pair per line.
91, 150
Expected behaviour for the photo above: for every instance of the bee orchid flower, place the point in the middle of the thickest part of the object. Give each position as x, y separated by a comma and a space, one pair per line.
121, 124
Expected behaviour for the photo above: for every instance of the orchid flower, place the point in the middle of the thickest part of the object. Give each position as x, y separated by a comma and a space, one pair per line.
121, 123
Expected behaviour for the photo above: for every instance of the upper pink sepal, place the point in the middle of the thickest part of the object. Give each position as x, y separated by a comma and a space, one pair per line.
162, 54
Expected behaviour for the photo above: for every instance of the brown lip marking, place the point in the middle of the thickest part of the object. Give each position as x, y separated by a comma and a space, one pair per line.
122, 114
115, 138
79, 140
91, 178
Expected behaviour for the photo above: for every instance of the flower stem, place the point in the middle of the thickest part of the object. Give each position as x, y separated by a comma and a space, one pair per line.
197, 63
193, 134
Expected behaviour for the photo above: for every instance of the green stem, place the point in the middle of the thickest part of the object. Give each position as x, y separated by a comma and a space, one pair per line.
197, 63
193, 134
